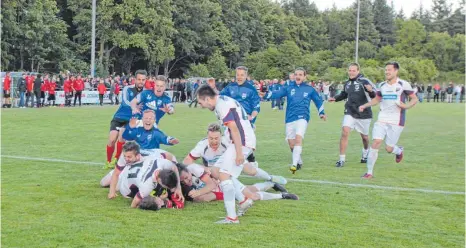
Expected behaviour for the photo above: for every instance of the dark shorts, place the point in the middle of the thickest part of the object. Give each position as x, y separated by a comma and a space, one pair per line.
116, 124
185, 190
42, 94
51, 97
6, 93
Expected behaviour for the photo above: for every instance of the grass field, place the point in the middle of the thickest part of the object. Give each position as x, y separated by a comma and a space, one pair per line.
58, 204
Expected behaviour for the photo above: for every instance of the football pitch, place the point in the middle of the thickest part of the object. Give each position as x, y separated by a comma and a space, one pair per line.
52, 161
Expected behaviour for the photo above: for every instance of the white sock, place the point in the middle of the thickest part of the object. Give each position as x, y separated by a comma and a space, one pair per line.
371, 158
228, 190
365, 152
262, 174
263, 186
269, 196
105, 182
239, 187
396, 150
300, 161
342, 158
296, 154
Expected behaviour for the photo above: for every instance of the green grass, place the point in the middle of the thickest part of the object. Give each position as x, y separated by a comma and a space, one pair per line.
50, 204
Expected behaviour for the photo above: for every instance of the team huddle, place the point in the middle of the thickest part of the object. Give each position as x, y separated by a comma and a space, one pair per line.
154, 178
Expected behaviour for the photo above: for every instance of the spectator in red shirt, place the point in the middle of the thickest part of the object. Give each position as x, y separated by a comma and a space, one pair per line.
68, 88
101, 88
149, 84
117, 93
78, 87
51, 89
30, 87
43, 89
7, 91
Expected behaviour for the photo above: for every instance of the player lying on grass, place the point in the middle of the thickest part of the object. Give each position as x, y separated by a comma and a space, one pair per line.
198, 185
214, 145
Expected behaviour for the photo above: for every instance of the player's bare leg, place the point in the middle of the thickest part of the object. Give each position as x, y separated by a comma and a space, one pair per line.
372, 158
250, 170
345, 132
365, 149
112, 138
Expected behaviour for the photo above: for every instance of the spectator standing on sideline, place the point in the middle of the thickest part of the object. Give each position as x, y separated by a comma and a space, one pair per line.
37, 89
7, 91
101, 89
443, 92
78, 87
112, 89
449, 92
30, 89
457, 93
68, 88
437, 91
462, 93
22, 90
195, 87
182, 90
116, 93
176, 93
429, 92
51, 90
189, 89
420, 92
43, 89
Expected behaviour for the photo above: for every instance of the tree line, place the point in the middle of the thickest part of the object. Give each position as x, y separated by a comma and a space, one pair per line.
180, 38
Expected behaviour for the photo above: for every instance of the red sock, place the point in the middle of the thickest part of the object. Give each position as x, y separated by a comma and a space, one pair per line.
110, 153
218, 196
119, 149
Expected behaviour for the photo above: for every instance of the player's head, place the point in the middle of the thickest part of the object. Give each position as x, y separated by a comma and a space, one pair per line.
391, 70
185, 177
148, 119
159, 87
207, 97
141, 76
300, 75
241, 74
353, 70
291, 76
167, 179
131, 152
151, 203
211, 82
214, 135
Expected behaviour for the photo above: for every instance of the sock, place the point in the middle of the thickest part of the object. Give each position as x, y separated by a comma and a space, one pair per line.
269, 196
262, 174
371, 158
365, 152
342, 158
300, 161
110, 150
239, 187
229, 198
119, 149
397, 150
263, 186
296, 154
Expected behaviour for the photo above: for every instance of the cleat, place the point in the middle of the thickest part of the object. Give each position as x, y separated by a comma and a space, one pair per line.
363, 160
278, 187
228, 220
398, 158
244, 206
293, 169
367, 176
108, 165
278, 179
339, 164
289, 196
298, 167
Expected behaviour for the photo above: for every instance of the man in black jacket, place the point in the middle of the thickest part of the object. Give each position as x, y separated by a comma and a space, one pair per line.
429, 92
359, 91
36, 89
22, 90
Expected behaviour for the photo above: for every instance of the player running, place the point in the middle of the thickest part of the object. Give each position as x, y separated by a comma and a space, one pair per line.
298, 97
122, 117
358, 90
246, 94
156, 100
392, 96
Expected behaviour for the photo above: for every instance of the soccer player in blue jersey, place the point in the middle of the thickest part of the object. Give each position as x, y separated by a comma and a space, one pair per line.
156, 100
298, 95
246, 94
122, 117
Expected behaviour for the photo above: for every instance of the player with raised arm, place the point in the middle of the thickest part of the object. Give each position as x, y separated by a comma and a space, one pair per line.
246, 94
392, 97
156, 100
122, 117
358, 90
298, 97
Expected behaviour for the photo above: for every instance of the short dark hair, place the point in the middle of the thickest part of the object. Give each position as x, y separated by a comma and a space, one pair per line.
168, 178
148, 203
354, 64
394, 63
181, 167
131, 146
300, 69
205, 91
142, 72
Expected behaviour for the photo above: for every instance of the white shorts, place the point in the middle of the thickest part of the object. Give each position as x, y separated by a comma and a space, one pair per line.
390, 132
360, 125
294, 128
124, 183
227, 162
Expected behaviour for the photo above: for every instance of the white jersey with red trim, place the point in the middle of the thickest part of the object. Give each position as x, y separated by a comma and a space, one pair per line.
197, 172
145, 176
210, 156
227, 110
390, 95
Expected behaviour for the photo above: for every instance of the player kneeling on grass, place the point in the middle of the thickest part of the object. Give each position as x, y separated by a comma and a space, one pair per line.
211, 148
148, 136
198, 185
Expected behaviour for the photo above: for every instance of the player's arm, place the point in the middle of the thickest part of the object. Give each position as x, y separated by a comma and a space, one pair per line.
235, 136
255, 101
209, 184
225, 91
373, 102
412, 100
340, 97
131, 130
164, 139
319, 104
114, 181
167, 106
135, 202
178, 191
134, 103
276, 94
369, 87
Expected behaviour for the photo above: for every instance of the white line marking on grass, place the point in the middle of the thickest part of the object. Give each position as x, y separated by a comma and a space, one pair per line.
289, 179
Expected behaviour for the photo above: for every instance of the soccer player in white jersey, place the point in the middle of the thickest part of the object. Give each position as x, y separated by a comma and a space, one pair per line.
211, 148
243, 142
392, 97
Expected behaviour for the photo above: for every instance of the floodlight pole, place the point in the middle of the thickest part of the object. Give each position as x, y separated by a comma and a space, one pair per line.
357, 35
93, 38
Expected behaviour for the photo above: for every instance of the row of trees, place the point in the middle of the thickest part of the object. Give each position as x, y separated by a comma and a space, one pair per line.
210, 37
